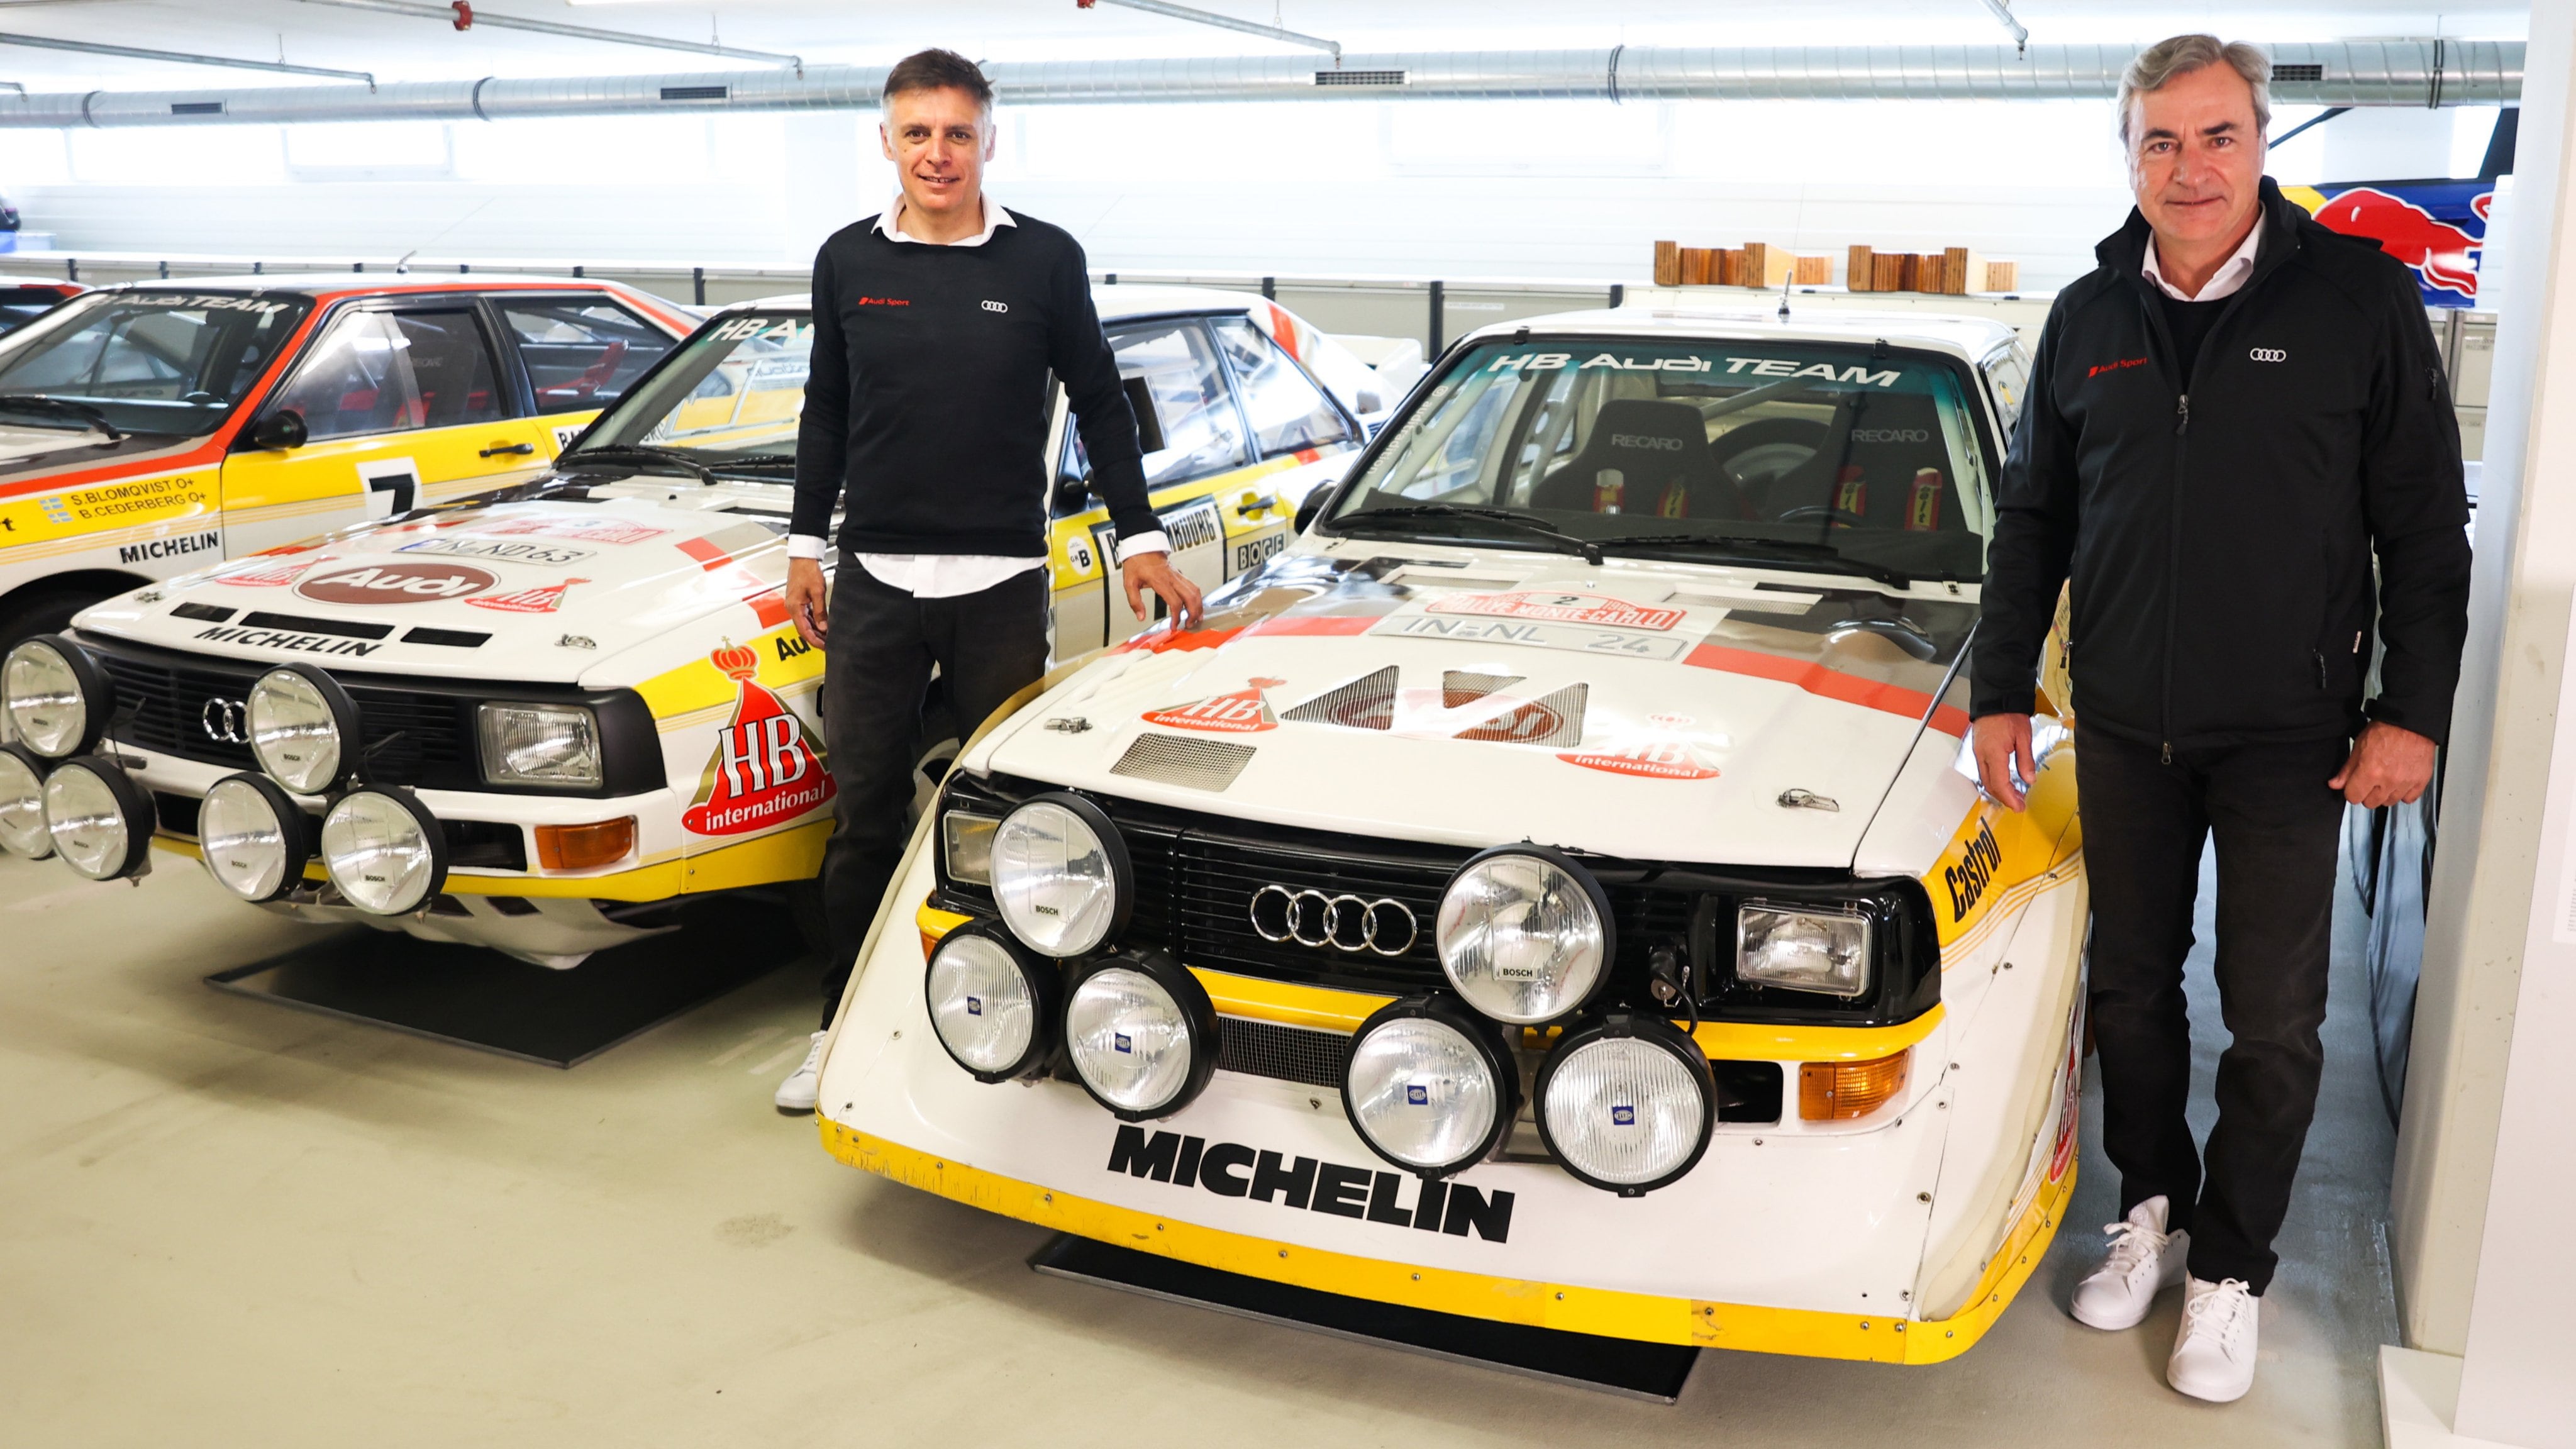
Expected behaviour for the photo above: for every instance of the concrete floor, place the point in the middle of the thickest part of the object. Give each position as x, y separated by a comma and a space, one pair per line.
223, 1222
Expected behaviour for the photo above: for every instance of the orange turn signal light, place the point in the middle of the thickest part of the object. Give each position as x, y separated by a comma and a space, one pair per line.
585, 847
1840, 1091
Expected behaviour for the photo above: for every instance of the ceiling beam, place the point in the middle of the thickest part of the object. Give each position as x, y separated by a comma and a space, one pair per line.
177, 57
462, 15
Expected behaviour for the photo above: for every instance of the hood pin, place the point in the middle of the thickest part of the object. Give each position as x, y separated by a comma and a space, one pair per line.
1808, 800
1068, 724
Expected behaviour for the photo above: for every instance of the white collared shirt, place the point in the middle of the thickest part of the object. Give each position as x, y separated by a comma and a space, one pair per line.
947, 575
2223, 283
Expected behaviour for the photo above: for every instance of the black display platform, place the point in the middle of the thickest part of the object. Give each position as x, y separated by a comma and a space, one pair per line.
485, 1000
1654, 1371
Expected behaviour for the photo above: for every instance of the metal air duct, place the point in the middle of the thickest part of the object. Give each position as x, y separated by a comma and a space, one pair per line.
2349, 73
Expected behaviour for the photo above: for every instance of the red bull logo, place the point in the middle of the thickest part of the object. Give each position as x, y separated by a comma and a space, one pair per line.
2438, 231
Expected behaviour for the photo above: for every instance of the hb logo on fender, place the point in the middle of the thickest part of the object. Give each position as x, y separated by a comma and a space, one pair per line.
2268, 354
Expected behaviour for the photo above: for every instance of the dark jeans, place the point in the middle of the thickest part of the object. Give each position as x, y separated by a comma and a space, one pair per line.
2276, 825
988, 646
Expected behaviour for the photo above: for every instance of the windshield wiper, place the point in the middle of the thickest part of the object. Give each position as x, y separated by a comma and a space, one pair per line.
90, 418
756, 465
1758, 547
637, 456
1565, 542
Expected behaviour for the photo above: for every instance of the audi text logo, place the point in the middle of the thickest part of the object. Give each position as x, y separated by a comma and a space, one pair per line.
1315, 920
223, 721
2268, 354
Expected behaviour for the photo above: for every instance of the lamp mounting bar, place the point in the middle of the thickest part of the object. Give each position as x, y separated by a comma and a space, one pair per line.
175, 57
2004, 17
1224, 22
464, 16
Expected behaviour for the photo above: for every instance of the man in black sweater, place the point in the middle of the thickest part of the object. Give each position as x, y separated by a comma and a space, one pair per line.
937, 326
2229, 422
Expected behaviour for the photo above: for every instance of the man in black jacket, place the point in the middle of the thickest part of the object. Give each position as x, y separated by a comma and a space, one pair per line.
2228, 421
936, 328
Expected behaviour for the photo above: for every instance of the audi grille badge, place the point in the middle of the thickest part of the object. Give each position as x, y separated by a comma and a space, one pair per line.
223, 721
1315, 920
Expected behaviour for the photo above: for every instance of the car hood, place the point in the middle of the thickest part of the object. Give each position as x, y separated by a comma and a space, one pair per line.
540, 589
1708, 715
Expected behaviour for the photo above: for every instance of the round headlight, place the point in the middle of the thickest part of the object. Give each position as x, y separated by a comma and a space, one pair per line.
302, 727
100, 820
22, 803
384, 851
251, 836
995, 1009
57, 699
1524, 934
1430, 1088
1626, 1103
1060, 875
1142, 1035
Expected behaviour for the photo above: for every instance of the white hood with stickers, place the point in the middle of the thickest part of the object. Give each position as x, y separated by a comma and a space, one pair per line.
1655, 713
539, 591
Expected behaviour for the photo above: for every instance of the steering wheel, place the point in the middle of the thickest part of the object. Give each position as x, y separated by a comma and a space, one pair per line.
1759, 454
1825, 511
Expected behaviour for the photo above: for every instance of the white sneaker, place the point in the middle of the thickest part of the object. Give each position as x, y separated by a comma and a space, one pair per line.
804, 1085
2213, 1355
2144, 1261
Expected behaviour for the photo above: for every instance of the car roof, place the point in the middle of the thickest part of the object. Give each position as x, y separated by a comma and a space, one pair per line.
1970, 337
344, 284
1113, 301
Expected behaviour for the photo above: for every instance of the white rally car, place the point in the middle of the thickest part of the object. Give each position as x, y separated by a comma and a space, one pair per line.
1553, 892
546, 719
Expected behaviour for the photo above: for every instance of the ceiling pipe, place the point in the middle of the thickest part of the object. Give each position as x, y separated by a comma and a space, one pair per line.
2353, 73
462, 15
175, 57
2004, 18
1223, 22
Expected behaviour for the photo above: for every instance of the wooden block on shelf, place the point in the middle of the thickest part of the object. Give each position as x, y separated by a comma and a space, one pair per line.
1767, 264
1860, 270
1961, 271
1731, 262
1931, 272
1695, 265
1668, 264
1891, 272
1812, 272
2002, 277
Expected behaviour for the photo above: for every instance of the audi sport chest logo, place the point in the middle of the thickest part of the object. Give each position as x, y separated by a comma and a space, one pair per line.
1315, 920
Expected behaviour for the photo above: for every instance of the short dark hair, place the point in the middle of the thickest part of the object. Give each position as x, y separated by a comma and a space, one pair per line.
932, 70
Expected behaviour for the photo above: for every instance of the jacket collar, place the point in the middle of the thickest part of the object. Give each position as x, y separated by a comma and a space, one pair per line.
2125, 251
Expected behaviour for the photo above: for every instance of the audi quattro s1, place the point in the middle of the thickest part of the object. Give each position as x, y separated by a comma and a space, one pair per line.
153, 428
546, 718
1555, 891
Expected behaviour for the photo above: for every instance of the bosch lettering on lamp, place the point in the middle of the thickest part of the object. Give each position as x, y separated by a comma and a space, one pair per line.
1060, 875
302, 725
1524, 934
100, 820
384, 851
56, 698
251, 836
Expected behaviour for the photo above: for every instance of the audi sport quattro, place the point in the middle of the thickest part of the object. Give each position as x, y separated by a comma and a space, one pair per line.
154, 428
546, 718
1555, 891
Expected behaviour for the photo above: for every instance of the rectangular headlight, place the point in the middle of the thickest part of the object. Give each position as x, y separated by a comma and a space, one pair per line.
966, 843
540, 744
1802, 949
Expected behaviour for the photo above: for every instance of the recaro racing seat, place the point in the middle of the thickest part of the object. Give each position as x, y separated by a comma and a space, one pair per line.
1884, 465
1645, 456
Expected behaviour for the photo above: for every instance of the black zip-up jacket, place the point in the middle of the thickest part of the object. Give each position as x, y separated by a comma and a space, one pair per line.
926, 411
2220, 541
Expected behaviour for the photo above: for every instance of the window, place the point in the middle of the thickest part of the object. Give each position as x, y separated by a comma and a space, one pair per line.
581, 354
1289, 412
2007, 374
1202, 434
385, 372
151, 362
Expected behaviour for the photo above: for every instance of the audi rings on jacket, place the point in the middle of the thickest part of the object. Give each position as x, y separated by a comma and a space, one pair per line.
225, 721
2268, 354
1315, 920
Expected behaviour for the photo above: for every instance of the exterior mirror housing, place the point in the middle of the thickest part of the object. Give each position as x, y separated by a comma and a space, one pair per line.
279, 431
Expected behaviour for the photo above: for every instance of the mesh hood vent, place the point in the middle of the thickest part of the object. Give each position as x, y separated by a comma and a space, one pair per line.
1459, 688
1366, 703
1191, 763
1556, 721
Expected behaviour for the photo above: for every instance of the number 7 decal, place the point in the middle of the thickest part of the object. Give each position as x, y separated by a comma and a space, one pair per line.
397, 480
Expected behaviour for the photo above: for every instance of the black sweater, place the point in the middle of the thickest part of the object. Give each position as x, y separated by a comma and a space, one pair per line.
926, 412
2222, 548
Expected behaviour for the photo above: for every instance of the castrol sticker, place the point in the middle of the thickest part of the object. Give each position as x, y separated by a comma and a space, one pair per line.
1661, 754
396, 583
1559, 609
1242, 712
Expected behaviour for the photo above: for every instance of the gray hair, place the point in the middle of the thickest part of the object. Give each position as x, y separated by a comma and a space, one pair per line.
2159, 63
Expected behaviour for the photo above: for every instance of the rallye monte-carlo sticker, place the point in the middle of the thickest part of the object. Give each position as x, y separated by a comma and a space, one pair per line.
1243, 712
1230, 1169
765, 771
1559, 608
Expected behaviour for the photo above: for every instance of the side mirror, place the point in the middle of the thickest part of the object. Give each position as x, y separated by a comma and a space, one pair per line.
279, 431
1312, 504
1370, 402
1149, 419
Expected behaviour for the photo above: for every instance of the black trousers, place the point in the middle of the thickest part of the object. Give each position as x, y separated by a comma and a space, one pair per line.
2276, 825
988, 646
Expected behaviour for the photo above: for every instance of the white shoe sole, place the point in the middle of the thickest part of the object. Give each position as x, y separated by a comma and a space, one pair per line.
2205, 1397
2112, 1325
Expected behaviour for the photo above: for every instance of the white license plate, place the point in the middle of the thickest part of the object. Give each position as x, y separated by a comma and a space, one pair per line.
1469, 629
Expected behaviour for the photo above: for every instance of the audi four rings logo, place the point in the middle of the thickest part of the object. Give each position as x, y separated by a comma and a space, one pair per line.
1315, 920
2269, 354
223, 720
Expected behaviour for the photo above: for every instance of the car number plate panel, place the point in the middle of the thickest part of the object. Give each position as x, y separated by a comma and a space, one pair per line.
1579, 638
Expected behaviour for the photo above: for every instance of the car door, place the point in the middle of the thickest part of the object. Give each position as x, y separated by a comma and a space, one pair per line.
580, 353
1294, 422
1194, 437
403, 402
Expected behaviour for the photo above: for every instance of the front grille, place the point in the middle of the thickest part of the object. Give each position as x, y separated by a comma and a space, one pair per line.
1285, 1053
412, 738
1208, 882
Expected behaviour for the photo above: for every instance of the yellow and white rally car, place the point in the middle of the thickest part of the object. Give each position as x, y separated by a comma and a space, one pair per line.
546, 718
1554, 892
154, 428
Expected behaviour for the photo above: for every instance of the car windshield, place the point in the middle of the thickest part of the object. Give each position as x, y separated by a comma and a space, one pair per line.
728, 401
143, 362
1850, 458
